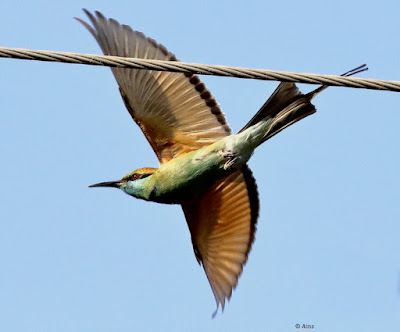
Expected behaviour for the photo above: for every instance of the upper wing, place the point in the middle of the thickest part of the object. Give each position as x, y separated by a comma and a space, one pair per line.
176, 112
222, 224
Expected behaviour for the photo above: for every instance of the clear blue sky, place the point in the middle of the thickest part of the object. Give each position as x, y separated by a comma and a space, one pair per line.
327, 250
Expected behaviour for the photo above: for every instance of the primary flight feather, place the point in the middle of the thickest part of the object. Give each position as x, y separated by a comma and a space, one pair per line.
202, 165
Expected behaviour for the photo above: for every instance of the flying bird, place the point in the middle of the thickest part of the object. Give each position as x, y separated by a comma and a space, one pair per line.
202, 165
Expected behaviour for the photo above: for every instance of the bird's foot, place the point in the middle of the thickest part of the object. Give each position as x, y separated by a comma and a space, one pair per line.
231, 159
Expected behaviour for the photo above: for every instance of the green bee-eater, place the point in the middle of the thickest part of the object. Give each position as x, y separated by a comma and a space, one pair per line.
202, 165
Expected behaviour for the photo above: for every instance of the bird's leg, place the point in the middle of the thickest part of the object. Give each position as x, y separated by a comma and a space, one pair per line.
231, 157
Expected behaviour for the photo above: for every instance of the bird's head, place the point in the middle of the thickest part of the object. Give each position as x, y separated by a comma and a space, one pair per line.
133, 183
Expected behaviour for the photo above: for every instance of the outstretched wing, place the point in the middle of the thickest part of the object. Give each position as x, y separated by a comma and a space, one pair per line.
175, 111
222, 223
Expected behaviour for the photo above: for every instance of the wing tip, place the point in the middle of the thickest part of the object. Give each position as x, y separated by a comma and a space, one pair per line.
214, 314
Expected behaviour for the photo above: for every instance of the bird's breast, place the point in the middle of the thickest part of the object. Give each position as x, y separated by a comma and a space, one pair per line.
185, 177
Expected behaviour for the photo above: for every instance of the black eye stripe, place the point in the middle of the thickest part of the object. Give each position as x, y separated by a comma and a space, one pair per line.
137, 176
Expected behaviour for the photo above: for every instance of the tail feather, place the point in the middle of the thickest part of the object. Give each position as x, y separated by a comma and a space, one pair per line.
296, 111
283, 96
287, 105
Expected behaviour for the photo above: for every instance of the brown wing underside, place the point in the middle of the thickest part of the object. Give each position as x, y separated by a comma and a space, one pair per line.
176, 112
222, 224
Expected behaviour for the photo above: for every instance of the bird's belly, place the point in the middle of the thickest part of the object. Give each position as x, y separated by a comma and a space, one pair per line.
186, 177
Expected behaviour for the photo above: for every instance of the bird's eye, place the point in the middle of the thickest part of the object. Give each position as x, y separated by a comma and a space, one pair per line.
135, 176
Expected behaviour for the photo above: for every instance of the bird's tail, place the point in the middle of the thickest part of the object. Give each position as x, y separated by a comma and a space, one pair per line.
287, 105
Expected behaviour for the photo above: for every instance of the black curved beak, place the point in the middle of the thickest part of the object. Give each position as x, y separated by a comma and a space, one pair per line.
111, 184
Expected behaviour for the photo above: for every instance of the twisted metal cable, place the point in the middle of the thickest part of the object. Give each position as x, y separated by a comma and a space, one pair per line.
201, 69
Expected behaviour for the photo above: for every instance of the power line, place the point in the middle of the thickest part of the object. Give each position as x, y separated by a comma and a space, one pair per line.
201, 69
